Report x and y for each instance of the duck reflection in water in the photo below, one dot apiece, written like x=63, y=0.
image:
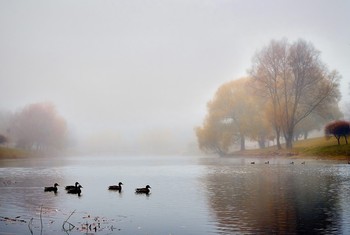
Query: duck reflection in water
x=116, y=187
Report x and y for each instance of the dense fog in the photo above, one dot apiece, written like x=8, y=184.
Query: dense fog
x=134, y=77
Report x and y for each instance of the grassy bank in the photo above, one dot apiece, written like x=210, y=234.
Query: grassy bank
x=323, y=148
x=319, y=148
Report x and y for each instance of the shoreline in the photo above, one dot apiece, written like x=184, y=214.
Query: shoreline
x=287, y=154
x=316, y=148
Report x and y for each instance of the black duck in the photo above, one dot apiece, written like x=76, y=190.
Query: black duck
x=116, y=187
x=143, y=190
x=75, y=190
x=69, y=187
x=51, y=189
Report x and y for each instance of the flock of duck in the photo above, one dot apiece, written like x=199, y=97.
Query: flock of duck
x=76, y=189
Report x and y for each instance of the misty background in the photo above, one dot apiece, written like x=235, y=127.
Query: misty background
x=135, y=76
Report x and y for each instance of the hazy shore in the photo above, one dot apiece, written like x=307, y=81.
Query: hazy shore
x=314, y=148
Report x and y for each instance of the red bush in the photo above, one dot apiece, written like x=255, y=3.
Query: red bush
x=338, y=129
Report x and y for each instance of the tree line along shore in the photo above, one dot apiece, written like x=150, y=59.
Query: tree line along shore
x=313, y=148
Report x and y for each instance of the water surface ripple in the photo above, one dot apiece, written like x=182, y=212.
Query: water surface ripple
x=189, y=195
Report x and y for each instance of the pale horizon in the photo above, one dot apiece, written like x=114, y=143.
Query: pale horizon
x=139, y=71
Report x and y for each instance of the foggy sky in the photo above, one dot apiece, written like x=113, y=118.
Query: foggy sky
x=133, y=67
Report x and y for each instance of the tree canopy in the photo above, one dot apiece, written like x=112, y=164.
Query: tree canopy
x=295, y=81
x=39, y=126
x=289, y=92
x=233, y=115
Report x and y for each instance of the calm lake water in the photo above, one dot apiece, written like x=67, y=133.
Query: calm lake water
x=189, y=195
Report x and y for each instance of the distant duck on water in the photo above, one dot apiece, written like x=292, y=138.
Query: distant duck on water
x=116, y=187
x=75, y=190
x=51, y=189
x=70, y=187
x=143, y=190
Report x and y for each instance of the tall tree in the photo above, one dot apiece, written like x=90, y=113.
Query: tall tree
x=269, y=65
x=296, y=82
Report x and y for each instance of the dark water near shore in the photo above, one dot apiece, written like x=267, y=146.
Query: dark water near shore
x=189, y=195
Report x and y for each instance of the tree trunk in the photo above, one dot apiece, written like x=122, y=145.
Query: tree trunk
x=296, y=137
x=289, y=143
x=289, y=139
x=278, y=143
x=242, y=142
x=261, y=144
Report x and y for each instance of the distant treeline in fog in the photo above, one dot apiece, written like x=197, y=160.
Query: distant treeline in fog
x=35, y=127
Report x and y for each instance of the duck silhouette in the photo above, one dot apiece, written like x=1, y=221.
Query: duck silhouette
x=116, y=187
x=51, y=189
x=143, y=190
x=69, y=187
x=75, y=190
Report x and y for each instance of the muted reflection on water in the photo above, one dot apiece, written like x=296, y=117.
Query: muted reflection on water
x=189, y=195
x=279, y=198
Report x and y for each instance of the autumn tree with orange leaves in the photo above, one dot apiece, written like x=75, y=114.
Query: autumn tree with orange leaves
x=234, y=115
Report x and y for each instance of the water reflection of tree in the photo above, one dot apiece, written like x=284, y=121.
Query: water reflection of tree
x=276, y=200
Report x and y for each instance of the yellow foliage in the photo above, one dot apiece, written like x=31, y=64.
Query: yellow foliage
x=233, y=114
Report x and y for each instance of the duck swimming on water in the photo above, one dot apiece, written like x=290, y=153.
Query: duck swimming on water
x=116, y=187
x=51, y=189
x=69, y=187
x=75, y=190
x=143, y=190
